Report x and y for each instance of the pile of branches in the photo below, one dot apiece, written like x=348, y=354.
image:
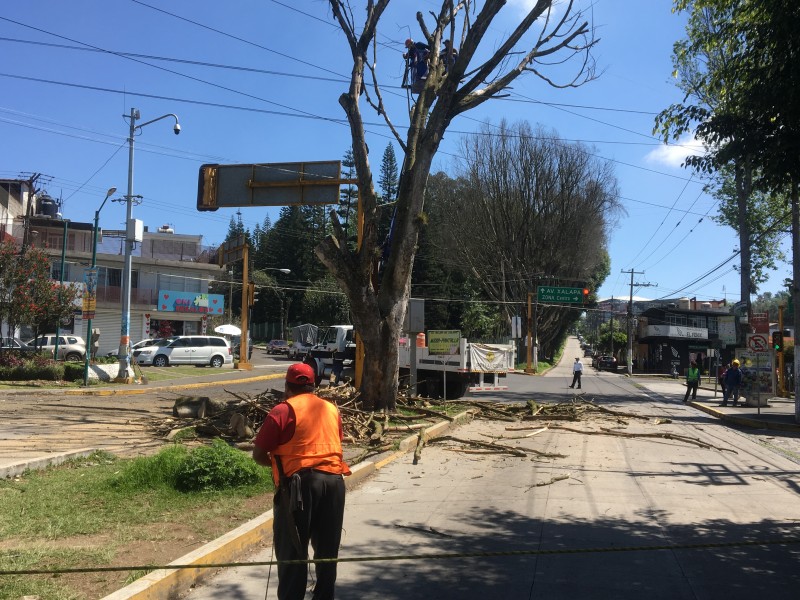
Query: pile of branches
x=574, y=410
x=366, y=432
x=237, y=419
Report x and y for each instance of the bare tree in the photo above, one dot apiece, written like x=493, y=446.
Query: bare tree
x=483, y=69
x=530, y=208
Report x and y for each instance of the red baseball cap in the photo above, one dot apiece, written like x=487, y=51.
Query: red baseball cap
x=300, y=374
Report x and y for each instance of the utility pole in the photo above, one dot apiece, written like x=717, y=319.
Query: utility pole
x=629, y=359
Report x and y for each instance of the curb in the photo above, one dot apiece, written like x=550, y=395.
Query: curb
x=185, y=386
x=170, y=583
x=41, y=463
x=745, y=421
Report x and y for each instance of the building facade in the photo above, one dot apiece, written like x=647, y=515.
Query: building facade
x=170, y=275
x=670, y=335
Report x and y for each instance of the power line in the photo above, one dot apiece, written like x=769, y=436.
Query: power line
x=172, y=71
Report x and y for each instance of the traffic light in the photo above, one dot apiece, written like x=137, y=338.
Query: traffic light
x=777, y=341
x=586, y=295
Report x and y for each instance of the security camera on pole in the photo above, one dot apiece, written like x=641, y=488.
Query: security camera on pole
x=133, y=234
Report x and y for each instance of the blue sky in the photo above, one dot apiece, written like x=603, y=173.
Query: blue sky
x=61, y=115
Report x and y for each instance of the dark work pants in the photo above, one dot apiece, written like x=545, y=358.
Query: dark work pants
x=691, y=388
x=320, y=522
x=576, y=378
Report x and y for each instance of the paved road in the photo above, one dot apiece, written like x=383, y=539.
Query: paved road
x=603, y=492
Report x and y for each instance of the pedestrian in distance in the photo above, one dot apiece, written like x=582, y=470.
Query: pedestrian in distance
x=301, y=439
x=577, y=371
x=722, y=377
x=733, y=380
x=692, y=381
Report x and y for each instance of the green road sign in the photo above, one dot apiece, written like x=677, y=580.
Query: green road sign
x=559, y=295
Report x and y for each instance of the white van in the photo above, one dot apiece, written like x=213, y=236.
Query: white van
x=187, y=350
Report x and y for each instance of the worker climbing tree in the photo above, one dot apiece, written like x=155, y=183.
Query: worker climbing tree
x=416, y=72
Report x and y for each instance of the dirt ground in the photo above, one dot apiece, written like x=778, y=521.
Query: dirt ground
x=33, y=425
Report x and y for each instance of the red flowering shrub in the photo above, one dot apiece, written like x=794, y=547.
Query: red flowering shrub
x=11, y=359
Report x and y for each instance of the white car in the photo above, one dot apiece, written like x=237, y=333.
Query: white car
x=70, y=347
x=144, y=344
x=197, y=350
x=298, y=350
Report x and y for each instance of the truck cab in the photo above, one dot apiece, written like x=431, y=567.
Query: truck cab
x=333, y=356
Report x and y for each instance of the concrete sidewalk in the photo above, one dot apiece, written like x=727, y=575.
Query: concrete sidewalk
x=779, y=415
x=605, y=517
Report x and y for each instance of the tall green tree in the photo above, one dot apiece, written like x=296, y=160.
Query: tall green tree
x=702, y=70
x=520, y=194
x=389, y=173
x=761, y=221
x=485, y=67
x=757, y=122
x=348, y=198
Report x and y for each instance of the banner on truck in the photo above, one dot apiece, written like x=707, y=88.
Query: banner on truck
x=488, y=358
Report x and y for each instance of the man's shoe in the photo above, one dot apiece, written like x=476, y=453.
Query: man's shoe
x=722, y=404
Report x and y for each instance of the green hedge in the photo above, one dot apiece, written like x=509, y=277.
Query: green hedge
x=73, y=371
x=28, y=371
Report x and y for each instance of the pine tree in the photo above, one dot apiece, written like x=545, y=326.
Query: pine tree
x=388, y=175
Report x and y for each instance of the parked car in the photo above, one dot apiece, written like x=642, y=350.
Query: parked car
x=145, y=343
x=278, y=347
x=606, y=363
x=298, y=350
x=70, y=347
x=197, y=350
x=17, y=345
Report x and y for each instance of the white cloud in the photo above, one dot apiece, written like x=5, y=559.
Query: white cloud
x=673, y=155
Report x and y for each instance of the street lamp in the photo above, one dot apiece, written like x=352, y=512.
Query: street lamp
x=61, y=283
x=92, y=281
x=125, y=325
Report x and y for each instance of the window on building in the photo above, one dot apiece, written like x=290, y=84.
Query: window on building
x=111, y=277
x=713, y=325
x=696, y=321
x=178, y=283
x=673, y=319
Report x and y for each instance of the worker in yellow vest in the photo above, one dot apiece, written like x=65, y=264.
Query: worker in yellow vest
x=692, y=381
